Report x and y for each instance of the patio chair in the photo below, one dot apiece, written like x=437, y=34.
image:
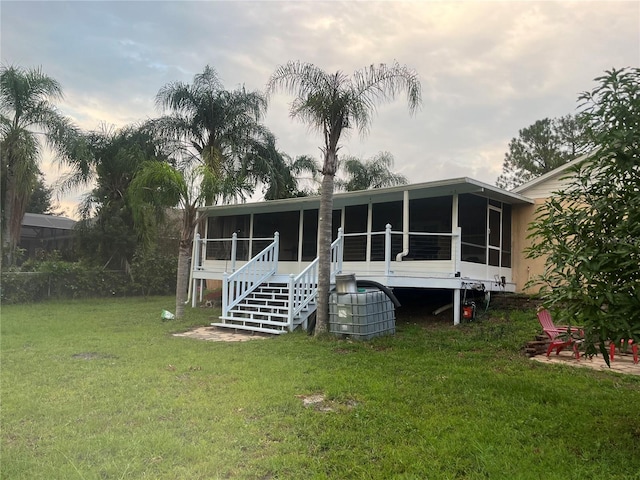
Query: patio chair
x=634, y=349
x=561, y=336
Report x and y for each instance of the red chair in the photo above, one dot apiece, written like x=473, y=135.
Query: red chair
x=558, y=334
x=634, y=349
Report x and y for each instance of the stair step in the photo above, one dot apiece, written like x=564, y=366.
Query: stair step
x=233, y=318
x=250, y=328
x=266, y=309
x=263, y=306
x=252, y=315
x=260, y=311
x=265, y=301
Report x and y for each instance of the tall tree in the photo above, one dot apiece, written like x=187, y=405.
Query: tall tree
x=589, y=232
x=220, y=128
x=373, y=173
x=28, y=119
x=40, y=201
x=158, y=185
x=542, y=147
x=107, y=231
x=216, y=136
x=278, y=172
x=332, y=103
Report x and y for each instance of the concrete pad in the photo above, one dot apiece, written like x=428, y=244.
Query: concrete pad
x=623, y=363
x=215, y=334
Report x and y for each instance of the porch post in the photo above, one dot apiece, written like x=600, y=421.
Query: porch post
x=387, y=249
x=276, y=252
x=456, y=306
x=367, y=252
x=225, y=293
x=251, y=218
x=457, y=245
x=456, y=237
x=195, y=264
x=234, y=251
x=340, y=251
x=291, y=302
x=196, y=252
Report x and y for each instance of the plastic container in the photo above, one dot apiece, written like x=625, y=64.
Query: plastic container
x=361, y=316
x=346, y=283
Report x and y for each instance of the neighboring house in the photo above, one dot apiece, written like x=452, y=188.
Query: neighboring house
x=46, y=233
x=454, y=234
x=539, y=190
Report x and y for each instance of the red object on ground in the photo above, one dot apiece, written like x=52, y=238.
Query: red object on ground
x=634, y=349
x=558, y=334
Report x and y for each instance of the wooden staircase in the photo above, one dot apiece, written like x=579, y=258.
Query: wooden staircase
x=266, y=309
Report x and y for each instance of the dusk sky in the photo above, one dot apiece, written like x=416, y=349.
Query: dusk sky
x=487, y=68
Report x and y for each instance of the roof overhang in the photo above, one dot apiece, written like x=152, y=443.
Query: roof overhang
x=438, y=188
x=38, y=220
x=556, y=172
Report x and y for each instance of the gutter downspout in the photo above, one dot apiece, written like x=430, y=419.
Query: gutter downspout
x=405, y=228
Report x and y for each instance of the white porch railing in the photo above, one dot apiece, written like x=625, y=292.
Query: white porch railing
x=239, y=284
x=424, y=244
x=304, y=286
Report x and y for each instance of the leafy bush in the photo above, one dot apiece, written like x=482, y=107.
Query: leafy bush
x=150, y=274
x=154, y=273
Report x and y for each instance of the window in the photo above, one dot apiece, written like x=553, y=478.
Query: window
x=430, y=215
x=286, y=224
x=224, y=228
x=495, y=224
x=310, y=235
x=355, y=221
x=472, y=219
x=506, y=235
x=381, y=215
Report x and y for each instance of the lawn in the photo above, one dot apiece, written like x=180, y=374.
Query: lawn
x=100, y=389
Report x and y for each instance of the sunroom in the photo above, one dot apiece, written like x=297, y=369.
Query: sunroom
x=452, y=234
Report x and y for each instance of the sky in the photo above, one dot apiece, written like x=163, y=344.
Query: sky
x=487, y=68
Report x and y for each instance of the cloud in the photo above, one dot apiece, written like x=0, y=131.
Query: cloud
x=488, y=68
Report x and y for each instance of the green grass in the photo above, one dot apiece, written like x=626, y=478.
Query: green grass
x=101, y=390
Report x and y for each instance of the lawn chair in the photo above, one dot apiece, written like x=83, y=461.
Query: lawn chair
x=634, y=349
x=561, y=336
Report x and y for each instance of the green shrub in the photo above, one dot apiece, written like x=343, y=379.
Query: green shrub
x=151, y=273
x=154, y=273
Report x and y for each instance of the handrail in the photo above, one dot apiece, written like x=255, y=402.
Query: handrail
x=304, y=287
x=237, y=285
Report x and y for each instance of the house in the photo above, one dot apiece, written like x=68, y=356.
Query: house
x=539, y=190
x=452, y=234
x=46, y=233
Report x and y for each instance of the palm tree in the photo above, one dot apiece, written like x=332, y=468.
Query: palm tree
x=368, y=174
x=279, y=173
x=28, y=118
x=333, y=103
x=107, y=232
x=216, y=136
x=159, y=185
x=221, y=127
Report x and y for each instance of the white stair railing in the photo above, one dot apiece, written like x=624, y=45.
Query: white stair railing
x=304, y=286
x=239, y=284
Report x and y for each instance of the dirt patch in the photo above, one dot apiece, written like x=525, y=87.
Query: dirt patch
x=319, y=402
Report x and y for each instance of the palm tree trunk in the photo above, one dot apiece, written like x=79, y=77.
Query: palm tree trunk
x=182, y=280
x=324, y=253
x=14, y=207
x=8, y=246
x=184, y=254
